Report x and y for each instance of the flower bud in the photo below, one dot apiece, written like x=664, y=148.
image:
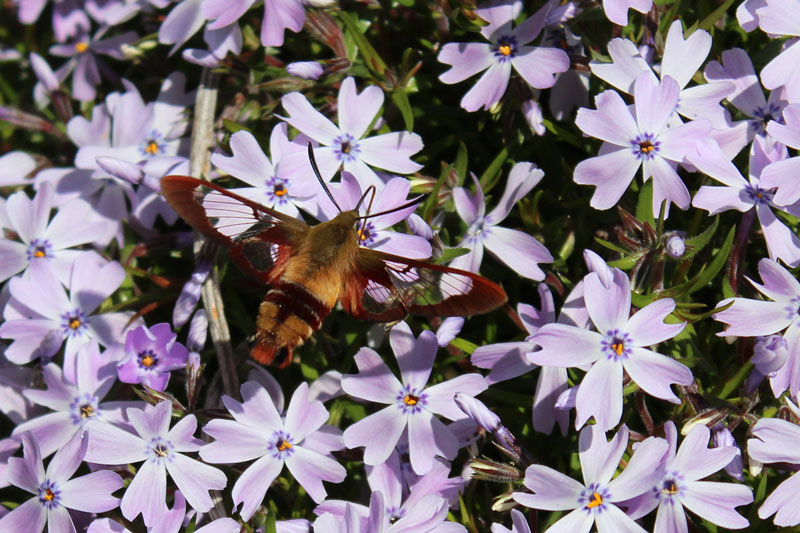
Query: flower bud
x=676, y=246
x=488, y=470
x=769, y=354
x=308, y=70
x=477, y=411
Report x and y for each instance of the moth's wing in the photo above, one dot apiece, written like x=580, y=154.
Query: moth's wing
x=259, y=238
x=386, y=287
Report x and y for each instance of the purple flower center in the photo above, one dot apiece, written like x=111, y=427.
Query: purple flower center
x=49, y=495
x=670, y=488
x=793, y=309
x=83, y=408
x=616, y=344
x=394, y=513
x=81, y=46
x=160, y=451
x=593, y=498
x=762, y=115
x=74, y=323
x=505, y=49
x=277, y=190
x=148, y=360
x=758, y=195
x=645, y=146
x=153, y=145
x=281, y=445
x=409, y=400
x=39, y=249
x=366, y=234
x=346, y=148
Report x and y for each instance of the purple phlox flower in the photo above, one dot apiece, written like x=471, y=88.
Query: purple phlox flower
x=258, y=432
x=783, y=174
x=56, y=317
x=507, y=48
x=326, y=387
x=775, y=441
x=48, y=82
x=269, y=186
x=220, y=42
x=754, y=318
x=722, y=437
x=676, y=244
x=400, y=493
x=619, y=343
x=78, y=405
x=53, y=489
x=374, y=232
x=681, y=60
x=449, y=330
x=146, y=142
x=746, y=14
x=13, y=380
x=198, y=332
x=518, y=521
x=617, y=10
x=8, y=447
x=412, y=405
x=781, y=17
x=171, y=522
x=746, y=195
x=162, y=450
x=593, y=501
x=152, y=353
x=681, y=487
x=185, y=19
x=279, y=15
x=516, y=249
x=638, y=136
x=736, y=67
x=770, y=353
x=342, y=145
x=308, y=70
x=15, y=167
x=46, y=244
x=85, y=63
x=69, y=19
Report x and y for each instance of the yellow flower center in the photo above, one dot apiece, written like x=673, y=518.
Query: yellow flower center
x=81, y=47
x=87, y=411
x=646, y=147
x=618, y=347
x=596, y=500
x=148, y=360
x=74, y=323
x=504, y=49
x=161, y=450
x=48, y=495
x=284, y=445
x=152, y=148
x=670, y=488
x=410, y=399
x=38, y=253
x=362, y=235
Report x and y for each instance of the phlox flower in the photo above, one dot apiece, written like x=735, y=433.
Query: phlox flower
x=15, y=167
x=162, y=450
x=50, y=317
x=519, y=524
x=506, y=49
x=374, y=232
x=45, y=243
x=76, y=404
x=617, y=10
x=85, y=63
x=171, y=522
x=681, y=60
x=747, y=14
x=412, y=405
x=68, y=17
x=259, y=432
x=781, y=17
x=747, y=195
x=268, y=185
x=152, y=353
x=776, y=441
x=54, y=492
x=186, y=19
x=619, y=343
x=680, y=487
x=279, y=15
x=342, y=145
x=783, y=174
x=638, y=137
x=516, y=249
x=753, y=318
x=593, y=502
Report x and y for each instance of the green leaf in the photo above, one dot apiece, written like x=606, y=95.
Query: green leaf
x=644, y=207
x=698, y=242
x=461, y=162
x=716, y=264
x=708, y=22
x=233, y=127
x=271, y=526
x=400, y=99
x=448, y=254
x=628, y=262
x=491, y=172
x=464, y=345
x=610, y=246
x=371, y=58
x=430, y=203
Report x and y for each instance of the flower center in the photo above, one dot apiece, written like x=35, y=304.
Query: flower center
x=160, y=450
x=596, y=500
x=82, y=408
x=73, y=323
x=758, y=195
x=346, y=148
x=410, y=400
x=147, y=359
x=49, y=495
x=39, y=249
x=282, y=446
x=87, y=411
x=593, y=498
x=280, y=189
x=506, y=48
x=763, y=115
x=645, y=146
x=152, y=145
x=669, y=488
x=616, y=344
x=365, y=234
x=81, y=47
x=151, y=148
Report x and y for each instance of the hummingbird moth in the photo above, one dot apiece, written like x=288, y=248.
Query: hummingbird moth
x=309, y=268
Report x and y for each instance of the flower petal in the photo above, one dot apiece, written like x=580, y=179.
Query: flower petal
x=600, y=395
x=195, y=479
x=654, y=373
x=519, y=251
x=146, y=494
x=308, y=120
x=553, y=491
x=374, y=381
x=608, y=306
x=429, y=437
x=356, y=111
x=647, y=326
x=600, y=458
x=92, y=493
x=715, y=502
x=252, y=485
x=378, y=433
x=611, y=173
x=565, y=346
x=467, y=59
x=488, y=90
x=310, y=469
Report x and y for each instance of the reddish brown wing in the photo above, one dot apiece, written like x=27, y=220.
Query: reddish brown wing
x=259, y=238
x=387, y=287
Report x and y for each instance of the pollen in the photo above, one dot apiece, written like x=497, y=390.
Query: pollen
x=505, y=49
x=362, y=235
x=75, y=323
x=346, y=147
x=161, y=450
x=148, y=360
x=410, y=399
x=618, y=347
x=280, y=190
x=670, y=488
x=284, y=445
x=87, y=411
x=38, y=253
x=152, y=148
x=48, y=495
x=81, y=47
x=646, y=147
x=596, y=501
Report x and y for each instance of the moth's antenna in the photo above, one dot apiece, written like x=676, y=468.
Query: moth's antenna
x=315, y=168
x=406, y=205
x=370, y=190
